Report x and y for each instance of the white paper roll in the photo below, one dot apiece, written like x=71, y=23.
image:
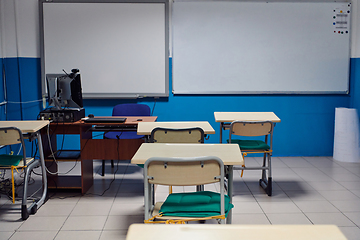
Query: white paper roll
x=346, y=136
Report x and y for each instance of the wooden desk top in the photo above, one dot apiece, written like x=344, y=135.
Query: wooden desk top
x=26, y=126
x=230, y=154
x=145, y=128
x=233, y=231
x=245, y=116
x=130, y=120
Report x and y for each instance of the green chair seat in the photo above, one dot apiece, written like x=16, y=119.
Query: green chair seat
x=10, y=160
x=194, y=204
x=250, y=144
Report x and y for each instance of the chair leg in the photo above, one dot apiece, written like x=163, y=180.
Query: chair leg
x=13, y=184
x=200, y=188
x=269, y=188
x=266, y=180
x=153, y=188
x=103, y=168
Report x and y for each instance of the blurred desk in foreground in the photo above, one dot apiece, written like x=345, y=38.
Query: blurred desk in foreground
x=233, y=232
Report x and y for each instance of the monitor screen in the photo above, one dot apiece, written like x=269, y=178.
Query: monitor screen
x=64, y=90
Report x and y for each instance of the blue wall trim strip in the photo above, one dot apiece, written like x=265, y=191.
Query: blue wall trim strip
x=307, y=121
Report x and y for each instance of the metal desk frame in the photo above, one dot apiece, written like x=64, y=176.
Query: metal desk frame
x=31, y=131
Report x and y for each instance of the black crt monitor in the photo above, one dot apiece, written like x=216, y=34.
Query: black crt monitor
x=64, y=90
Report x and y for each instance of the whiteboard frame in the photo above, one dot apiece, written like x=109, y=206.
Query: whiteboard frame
x=101, y=95
x=182, y=91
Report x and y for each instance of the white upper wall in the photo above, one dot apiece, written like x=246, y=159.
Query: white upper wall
x=19, y=30
x=355, y=29
x=7, y=28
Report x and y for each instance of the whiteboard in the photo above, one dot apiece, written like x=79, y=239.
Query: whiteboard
x=234, y=47
x=120, y=48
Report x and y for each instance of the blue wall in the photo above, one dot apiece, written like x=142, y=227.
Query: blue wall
x=22, y=90
x=307, y=121
x=355, y=83
x=2, y=96
x=23, y=72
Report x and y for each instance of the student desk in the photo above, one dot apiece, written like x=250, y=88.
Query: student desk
x=230, y=154
x=226, y=118
x=233, y=232
x=91, y=148
x=31, y=130
x=145, y=128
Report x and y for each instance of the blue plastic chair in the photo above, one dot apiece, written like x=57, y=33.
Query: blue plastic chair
x=127, y=109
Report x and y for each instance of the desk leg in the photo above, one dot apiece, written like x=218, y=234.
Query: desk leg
x=221, y=127
x=87, y=178
x=25, y=211
x=87, y=169
x=230, y=191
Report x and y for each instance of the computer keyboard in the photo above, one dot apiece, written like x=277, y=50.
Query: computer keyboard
x=105, y=120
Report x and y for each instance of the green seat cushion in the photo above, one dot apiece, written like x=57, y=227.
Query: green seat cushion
x=194, y=204
x=250, y=144
x=10, y=160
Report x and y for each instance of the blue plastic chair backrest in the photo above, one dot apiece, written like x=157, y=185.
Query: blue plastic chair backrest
x=131, y=109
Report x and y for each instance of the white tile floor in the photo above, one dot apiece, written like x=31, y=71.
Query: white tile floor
x=307, y=190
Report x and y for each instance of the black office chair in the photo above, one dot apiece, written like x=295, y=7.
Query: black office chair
x=128, y=109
